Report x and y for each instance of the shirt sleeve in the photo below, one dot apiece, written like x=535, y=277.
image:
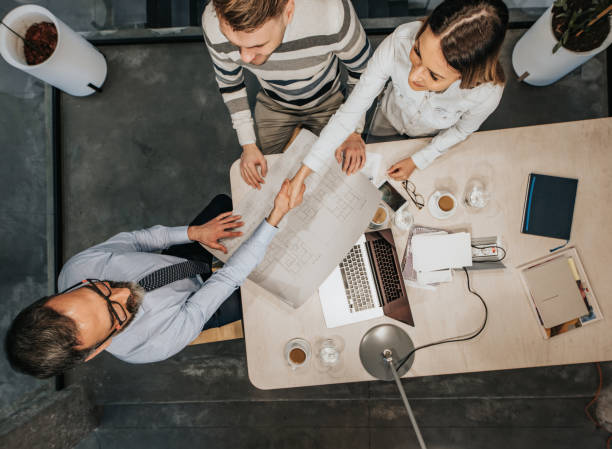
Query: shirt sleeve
x=146, y=240
x=468, y=123
x=348, y=116
x=354, y=50
x=222, y=283
x=230, y=79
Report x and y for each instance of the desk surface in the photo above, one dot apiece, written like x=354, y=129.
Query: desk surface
x=511, y=339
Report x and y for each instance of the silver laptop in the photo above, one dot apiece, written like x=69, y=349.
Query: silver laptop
x=367, y=284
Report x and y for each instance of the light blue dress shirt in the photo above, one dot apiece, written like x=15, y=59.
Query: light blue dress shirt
x=172, y=316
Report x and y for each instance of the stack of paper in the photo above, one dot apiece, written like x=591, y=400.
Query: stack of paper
x=436, y=254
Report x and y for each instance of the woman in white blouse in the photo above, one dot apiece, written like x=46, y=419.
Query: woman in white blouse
x=445, y=79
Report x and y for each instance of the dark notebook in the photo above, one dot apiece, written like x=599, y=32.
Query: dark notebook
x=549, y=206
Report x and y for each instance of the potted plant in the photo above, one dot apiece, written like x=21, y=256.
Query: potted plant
x=35, y=41
x=567, y=35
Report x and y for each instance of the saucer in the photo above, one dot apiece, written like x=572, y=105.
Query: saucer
x=435, y=211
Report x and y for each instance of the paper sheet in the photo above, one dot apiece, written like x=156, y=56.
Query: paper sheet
x=440, y=251
x=313, y=238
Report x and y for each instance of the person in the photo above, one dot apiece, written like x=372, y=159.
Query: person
x=293, y=47
x=148, y=306
x=445, y=78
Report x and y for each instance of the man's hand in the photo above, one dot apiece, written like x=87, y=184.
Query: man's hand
x=250, y=160
x=218, y=228
x=353, y=150
x=402, y=170
x=282, y=203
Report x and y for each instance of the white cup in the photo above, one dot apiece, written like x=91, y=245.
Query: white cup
x=381, y=216
x=297, y=353
x=444, y=211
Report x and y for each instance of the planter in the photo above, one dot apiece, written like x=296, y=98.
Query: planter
x=533, y=54
x=73, y=65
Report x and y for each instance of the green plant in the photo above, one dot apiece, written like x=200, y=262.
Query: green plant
x=578, y=20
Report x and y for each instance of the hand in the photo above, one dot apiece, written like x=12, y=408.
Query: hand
x=297, y=186
x=402, y=169
x=250, y=159
x=282, y=203
x=218, y=228
x=354, y=153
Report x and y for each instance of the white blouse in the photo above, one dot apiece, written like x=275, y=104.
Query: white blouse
x=454, y=113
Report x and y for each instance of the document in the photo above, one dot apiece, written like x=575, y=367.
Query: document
x=314, y=237
x=440, y=251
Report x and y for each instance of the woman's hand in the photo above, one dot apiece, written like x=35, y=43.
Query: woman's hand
x=402, y=169
x=353, y=150
x=282, y=203
x=218, y=228
x=297, y=186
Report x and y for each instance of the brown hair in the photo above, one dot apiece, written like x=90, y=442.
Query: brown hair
x=472, y=32
x=248, y=15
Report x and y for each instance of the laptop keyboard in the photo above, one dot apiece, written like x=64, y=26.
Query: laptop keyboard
x=383, y=253
x=355, y=280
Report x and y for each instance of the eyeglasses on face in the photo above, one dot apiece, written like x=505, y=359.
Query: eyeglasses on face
x=118, y=315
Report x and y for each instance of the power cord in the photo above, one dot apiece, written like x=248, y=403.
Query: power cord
x=465, y=337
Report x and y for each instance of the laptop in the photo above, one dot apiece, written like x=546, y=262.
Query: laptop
x=367, y=284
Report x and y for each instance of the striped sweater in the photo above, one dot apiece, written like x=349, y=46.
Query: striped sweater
x=303, y=71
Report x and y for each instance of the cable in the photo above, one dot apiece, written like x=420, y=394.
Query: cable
x=466, y=337
x=586, y=409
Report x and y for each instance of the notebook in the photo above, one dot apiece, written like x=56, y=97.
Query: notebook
x=549, y=206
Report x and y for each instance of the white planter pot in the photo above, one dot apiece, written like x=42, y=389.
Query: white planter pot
x=73, y=65
x=533, y=54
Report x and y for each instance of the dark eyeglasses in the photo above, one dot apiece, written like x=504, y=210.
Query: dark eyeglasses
x=117, y=313
x=416, y=198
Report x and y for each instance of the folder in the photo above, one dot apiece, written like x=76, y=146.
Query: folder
x=555, y=293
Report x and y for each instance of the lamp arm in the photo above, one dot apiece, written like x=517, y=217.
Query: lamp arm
x=389, y=359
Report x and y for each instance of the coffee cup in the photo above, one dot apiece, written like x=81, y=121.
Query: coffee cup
x=297, y=353
x=442, y=204
x=381, y=217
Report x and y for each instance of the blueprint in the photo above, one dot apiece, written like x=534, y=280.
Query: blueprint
x=314, y=237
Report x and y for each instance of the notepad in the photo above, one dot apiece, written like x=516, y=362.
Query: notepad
x=554, y=291
x=549, y=206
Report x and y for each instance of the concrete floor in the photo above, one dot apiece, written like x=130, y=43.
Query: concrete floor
x=155, y=147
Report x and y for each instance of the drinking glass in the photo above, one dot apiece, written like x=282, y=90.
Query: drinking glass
x=477, y=195
x=403, y=217
x=329, y=353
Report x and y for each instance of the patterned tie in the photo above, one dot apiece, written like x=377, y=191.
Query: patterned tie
x=172, y=273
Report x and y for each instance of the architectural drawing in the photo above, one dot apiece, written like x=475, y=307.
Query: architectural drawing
x=314, y=237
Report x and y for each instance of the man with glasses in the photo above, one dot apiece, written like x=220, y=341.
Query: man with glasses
x=148, y=305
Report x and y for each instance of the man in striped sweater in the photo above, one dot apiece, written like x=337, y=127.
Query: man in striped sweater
x=294, y=48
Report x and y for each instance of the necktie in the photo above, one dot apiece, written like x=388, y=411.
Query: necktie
x=172, y=273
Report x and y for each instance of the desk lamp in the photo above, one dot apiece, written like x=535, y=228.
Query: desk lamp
x=377, y=351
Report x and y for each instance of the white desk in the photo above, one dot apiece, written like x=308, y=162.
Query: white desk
x=511, y=339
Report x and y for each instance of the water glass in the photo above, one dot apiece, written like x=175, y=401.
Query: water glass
x=476, y=194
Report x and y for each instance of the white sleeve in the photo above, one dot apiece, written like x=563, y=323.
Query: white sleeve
x=346, y=120
x=468, y=123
